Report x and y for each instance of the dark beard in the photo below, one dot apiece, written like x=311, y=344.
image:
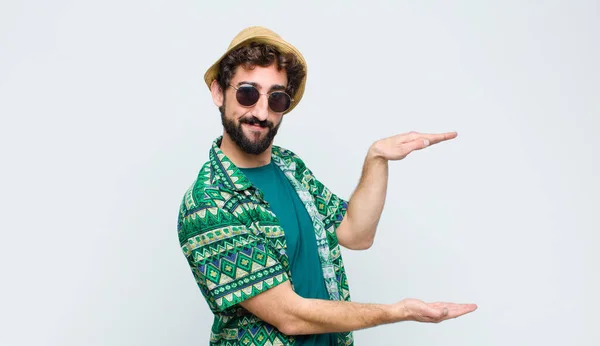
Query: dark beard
x=236, y=133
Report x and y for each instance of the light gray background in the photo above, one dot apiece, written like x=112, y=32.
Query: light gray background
x=106, y=121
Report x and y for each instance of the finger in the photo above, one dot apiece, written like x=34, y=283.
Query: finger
x=439, y=137
x=453, y=310
x=417, y=144
x=457, y=310
x=432, y=137
x=411, y=136
x=435, y=313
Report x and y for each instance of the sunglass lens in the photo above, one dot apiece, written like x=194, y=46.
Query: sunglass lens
x=279, y=102
x=247, y=95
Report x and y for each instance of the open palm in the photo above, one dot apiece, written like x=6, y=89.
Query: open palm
x=399, y=146
x=420, y=311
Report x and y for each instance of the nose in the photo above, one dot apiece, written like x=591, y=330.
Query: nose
x=261, y=108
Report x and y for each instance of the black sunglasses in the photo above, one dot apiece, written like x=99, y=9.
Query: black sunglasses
x=247, y=95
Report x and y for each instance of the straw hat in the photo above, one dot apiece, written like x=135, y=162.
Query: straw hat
x=261, y=35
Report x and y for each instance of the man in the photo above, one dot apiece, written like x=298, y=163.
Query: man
x=261, y=234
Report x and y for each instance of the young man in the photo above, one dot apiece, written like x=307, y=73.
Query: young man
x=261, y=234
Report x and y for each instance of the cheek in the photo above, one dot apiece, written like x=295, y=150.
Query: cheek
x=232, y=107
x=276, y=119
x=229, y=101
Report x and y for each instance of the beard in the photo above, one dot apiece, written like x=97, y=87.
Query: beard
x=248, y=145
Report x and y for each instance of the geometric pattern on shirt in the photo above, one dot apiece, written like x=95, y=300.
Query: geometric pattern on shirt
x=236, y=248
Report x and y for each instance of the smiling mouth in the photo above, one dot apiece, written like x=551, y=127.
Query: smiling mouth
x=255, y=126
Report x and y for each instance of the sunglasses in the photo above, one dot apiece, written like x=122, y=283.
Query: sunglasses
x=247, y=95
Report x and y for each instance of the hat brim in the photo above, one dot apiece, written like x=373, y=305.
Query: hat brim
x=281, y=45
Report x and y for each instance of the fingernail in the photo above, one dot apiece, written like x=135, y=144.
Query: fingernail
x=426, y=142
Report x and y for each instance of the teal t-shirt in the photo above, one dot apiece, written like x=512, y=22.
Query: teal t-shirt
x=305, y=265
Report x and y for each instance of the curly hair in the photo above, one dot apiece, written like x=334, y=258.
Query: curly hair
x=260, y=54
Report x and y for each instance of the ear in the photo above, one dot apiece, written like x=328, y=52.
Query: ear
x=217, y=93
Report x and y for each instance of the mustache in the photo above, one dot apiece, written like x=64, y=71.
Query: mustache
x=255, y=121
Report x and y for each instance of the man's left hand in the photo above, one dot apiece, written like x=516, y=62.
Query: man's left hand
x=399, y=146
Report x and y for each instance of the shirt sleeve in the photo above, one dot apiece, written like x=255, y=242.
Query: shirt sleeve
x=229, y=261
x=330, y=206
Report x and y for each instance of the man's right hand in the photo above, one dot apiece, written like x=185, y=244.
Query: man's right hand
x=417, y=310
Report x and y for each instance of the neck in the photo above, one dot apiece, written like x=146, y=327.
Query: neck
x=242, y=159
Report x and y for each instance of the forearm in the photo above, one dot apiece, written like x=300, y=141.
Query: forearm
x=284, y=309
x=367, y=201
x=315, y=316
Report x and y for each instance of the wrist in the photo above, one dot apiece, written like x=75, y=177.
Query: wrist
x=401, y=312
x=395, y=313
x=375, y=152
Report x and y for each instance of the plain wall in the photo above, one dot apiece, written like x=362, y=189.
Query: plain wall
x=105, y=122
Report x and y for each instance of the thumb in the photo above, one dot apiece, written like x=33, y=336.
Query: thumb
x=416, y=144
x=444, y=312
x=438, y=313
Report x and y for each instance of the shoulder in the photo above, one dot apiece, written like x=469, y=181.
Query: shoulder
x=292, y=159
x=195, y=196
x=200, y=209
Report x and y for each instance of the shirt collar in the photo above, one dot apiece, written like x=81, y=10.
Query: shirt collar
x=226, y=173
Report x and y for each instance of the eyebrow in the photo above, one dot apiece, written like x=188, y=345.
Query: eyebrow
x=256, y=85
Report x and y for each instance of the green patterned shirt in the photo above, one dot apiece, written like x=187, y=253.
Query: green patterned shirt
x=236, y=247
